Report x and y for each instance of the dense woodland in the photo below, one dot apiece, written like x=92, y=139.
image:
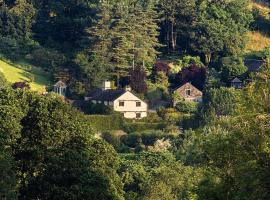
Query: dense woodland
x=214, y=150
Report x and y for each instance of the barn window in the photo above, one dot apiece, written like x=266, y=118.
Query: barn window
x=121, y=103
x=188, y=92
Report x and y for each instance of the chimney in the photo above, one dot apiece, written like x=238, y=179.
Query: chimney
x=128, y=88
x=106, y=85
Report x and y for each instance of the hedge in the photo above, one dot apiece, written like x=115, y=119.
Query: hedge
x=102, y=123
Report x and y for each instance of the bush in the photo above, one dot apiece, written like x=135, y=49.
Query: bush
x=169, y=115
x=147, y=138
x=186, y=106
x=151, y=118
x=190, y=121
x=112, y=139
x=132, y=140
x=142, y=126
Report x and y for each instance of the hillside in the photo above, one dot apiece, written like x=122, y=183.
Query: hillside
x=257, y=41
x=260, y=37
x=16, y=73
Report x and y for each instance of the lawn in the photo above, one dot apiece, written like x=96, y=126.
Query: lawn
x=16, y=73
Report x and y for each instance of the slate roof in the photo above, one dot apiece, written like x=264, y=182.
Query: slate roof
x=60, y=84
x=105, y=95
x=236, y=80
x=77, y=103
x=93, y=93
x=253, y=65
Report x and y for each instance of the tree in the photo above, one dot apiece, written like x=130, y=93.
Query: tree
x=194, y=74
x=220, y=28
x=62, y=24
x=125, y=36
x=220, y=102
x=88, y=176
x=16, y=21
x=231, y=68
x=138, y=80
x=53, y=134
x=162, y=82
x=8, y=189
x=161, y=66
x=176, y=20
x=152, y=175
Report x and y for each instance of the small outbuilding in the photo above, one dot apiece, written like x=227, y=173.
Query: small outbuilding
x=60, y=88
x=236, y=83
x=188, y=92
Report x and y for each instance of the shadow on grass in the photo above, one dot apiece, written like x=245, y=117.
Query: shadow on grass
x=261, y=22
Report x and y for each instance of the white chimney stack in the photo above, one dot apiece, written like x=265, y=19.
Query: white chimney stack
x=128, y=88
x=106, y=85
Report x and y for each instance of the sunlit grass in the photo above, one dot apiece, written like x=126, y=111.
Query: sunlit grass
x=257, y=41
x=13, y=74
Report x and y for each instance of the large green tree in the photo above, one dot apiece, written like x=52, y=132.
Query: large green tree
x=220, y=27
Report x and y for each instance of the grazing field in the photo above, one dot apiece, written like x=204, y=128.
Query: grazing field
x=14, y=73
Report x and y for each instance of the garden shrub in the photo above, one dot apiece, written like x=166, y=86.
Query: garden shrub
x=141, y=126
x=132, y=140
x=112, y=139
x=186, y=106
x=190, y=121
x=146, y=138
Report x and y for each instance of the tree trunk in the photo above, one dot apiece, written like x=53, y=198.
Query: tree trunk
x=167, y=36
x=172, y=37
x=208, y=57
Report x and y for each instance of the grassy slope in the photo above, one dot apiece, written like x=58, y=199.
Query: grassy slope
x=16, y=74
x=258, y=40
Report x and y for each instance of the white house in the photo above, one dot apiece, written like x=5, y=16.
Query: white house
x=122, y=100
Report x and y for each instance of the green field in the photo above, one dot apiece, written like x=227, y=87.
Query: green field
x=17, y=73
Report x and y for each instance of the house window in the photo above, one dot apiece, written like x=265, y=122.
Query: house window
x=138, y=104
x=121, y=103
x=188, y=92
x=138, y=115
